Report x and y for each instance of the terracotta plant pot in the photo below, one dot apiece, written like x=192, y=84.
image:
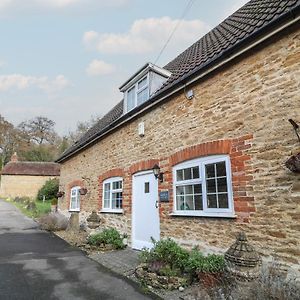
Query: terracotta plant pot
x=293, y=163
x=209, y=279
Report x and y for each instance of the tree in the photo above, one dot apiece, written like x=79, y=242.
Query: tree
x=10, y=140
x=39, y=130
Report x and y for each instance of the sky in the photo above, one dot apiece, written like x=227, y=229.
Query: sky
x=66, y=59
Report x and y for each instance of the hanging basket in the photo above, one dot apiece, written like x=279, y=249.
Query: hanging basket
x=83, y=191
x=293, y=163
x=60, y=194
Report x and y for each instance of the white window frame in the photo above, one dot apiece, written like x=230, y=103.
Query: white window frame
x=77, y=200
x=206, y=212
x=110, y=209
x=137, y=91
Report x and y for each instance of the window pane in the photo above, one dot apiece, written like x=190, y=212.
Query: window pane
x=221, y=169
x=223, y=200
x=142, y=83
x=106, y=195
x=189, y=203
x=179, y=174
x=147, y=188
x=179, y=202
x=131, y=99
x=211, y=186
x=189, y=190
x=106, y=186
x=116, y=201
x=197, y=189
x=196, y=172
x=222, y=185
x=116, y=185
x=187, y=174
x=198, y=202
x=142, y=96
x=179, y=190
x=212, y=201
x=210, y=171
x=106, y=203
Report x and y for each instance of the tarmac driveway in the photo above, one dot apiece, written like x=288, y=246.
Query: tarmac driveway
x=38, y=265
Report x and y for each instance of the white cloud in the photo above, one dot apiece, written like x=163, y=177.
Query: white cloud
x=99, y=67
x=22, y=82
x=146, y=35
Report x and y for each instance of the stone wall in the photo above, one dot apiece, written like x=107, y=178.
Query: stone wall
x=245, y=105
x=21, y=186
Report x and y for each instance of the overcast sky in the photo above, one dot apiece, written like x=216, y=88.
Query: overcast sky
x=65, y=59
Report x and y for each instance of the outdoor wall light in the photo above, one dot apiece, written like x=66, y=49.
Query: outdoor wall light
x=156, y=171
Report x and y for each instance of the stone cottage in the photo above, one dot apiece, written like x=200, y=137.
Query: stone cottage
x=196, y=149
x=24, y=179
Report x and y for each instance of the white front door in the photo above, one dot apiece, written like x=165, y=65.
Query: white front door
x=145, y=211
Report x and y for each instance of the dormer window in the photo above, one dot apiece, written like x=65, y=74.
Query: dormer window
x=139, y=88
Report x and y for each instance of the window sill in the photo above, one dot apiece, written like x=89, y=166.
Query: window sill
x=111, y=211
x=206, y=215
x=74, y=210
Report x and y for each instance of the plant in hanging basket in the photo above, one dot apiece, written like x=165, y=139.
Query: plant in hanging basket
x=293, y=163
x=60, y=194
x=82, y=191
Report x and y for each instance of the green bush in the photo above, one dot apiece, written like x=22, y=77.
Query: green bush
x=168, y=252
x=109, y=236
x=49, y=190
x=54, y=201
x=194, y=262
x=212, y=263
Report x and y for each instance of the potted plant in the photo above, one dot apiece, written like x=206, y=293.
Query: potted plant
x=54, y=205
x=210, y=270
x=60, y=194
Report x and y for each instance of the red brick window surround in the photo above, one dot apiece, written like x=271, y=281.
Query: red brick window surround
x=114, y=181
x=241, y=170
x=71, y=185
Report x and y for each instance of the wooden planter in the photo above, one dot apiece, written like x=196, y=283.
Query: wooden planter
x=293, y=163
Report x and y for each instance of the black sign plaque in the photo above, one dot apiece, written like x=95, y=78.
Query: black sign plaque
x=164, y=196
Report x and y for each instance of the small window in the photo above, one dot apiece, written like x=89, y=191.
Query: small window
x=203, y=187
x=137, y=94
x=147, y=187
x=131, y=99
x=112, y=194
x=75, y=199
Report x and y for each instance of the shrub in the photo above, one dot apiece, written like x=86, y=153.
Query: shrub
x=54, y=201
x=194, y=261
x=212, y=263
x=49, y=189
x=108, y=236
x=53, y=222
x=165, y=253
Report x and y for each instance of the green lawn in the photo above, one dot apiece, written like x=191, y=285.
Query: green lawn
x=42, y=208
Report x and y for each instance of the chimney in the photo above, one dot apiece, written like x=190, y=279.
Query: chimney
x=14, y=158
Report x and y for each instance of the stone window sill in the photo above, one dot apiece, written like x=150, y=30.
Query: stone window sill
x=112, y=211
x=221, y=215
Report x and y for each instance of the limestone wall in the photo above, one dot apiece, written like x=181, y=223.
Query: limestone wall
x=246, y=105
x=19, y=185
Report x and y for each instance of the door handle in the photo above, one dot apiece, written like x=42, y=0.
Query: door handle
x=156, y=204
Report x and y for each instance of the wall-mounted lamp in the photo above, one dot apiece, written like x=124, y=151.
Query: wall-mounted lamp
x=296, y=128
x=156, y=171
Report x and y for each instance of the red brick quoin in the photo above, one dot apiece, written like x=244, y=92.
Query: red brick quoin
x=72, y=184
x=241, y=170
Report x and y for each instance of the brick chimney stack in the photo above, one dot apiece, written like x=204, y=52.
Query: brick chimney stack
x=14, y=158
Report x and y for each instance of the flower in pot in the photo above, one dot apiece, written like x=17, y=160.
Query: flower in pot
x=211, y=269
x=60, y=194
